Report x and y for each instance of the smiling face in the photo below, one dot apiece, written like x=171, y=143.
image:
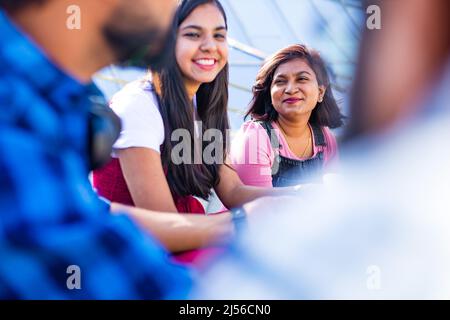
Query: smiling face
x=295, y=90
x=201, y=46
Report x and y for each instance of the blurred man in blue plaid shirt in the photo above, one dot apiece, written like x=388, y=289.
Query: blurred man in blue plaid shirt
x=52, y=225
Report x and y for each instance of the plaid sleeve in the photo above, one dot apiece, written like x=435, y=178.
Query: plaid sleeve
x=57, y=240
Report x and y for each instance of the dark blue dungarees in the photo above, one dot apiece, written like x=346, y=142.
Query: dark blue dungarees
x=289, y=172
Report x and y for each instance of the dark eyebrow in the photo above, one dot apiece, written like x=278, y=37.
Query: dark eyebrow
x=192, y=27
x=220, y=28
x=279, y=76
x=301, y=72
x=282, y=75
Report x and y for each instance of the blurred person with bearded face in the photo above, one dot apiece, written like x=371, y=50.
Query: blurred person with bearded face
x=52, y=222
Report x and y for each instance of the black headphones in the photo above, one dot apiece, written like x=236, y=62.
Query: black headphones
x=103, y=130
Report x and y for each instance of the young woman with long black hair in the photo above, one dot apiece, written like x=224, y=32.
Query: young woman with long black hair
x=190, y=94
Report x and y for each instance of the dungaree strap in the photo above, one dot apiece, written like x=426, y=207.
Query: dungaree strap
x=287, y=171
x=319, y=137
x=273, y=139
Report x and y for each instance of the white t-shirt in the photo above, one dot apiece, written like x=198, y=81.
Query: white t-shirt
x=142, y=125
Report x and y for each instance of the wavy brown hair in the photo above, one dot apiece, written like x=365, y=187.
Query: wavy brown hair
x=326, y=113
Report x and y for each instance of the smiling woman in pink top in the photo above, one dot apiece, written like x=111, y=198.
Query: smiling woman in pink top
x=288, y=140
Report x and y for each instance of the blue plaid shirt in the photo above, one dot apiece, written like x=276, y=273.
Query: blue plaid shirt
x=50, y=218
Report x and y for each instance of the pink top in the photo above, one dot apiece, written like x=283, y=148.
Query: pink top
x=252, y=155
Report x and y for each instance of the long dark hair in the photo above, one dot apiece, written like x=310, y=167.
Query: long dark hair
x=326, y=113
x=177, y=112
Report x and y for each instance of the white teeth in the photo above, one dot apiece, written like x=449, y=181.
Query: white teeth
x=205, y=62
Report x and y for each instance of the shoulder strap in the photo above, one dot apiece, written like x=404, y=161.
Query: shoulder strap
x=273, y=138
x=319, y=136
